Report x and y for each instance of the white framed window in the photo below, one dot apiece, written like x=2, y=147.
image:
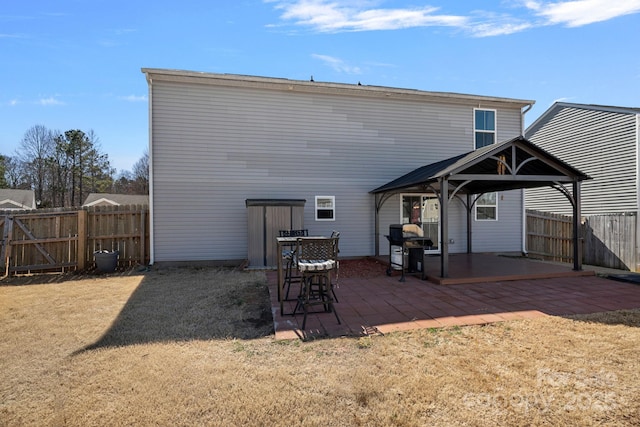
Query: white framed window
x=325, y=208
x=484, y=127
x=487, y=207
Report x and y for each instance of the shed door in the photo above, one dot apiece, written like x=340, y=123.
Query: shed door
x=264, y=225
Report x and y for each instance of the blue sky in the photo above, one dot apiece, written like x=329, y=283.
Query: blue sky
x=75, y=64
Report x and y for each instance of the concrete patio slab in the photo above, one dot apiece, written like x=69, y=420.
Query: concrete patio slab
x=383, y=304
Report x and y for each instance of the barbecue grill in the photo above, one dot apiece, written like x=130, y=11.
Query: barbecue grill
x=407, y=239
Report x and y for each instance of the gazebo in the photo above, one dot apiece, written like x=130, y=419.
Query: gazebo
x=509, y=165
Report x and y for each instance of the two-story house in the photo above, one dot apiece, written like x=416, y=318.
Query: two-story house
x=221, y=142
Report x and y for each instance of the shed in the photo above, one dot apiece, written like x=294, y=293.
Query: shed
x=266, y=217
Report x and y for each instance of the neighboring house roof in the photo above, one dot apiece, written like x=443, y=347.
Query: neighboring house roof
x=525, y=166
x=236, y=80
x=601, y=140
x=106, y=199
x=17, y=199
x=594, y=107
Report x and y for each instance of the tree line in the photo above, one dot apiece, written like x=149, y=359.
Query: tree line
x=62, y=168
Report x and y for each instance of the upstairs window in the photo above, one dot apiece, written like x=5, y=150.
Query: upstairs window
x=484, y=125
x=325, y=208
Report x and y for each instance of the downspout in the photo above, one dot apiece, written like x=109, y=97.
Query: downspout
x=523, y=201
x=151, y=206
x=637, y=247
x=377, y=226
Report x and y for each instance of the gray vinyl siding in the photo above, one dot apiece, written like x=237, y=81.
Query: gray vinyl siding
x=504, y=235
x=213, y=147
x=602, y=144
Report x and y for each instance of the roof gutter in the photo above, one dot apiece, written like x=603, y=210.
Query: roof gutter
x=527, y=108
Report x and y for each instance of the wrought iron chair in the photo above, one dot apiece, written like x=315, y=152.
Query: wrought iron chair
x=316, y=259
x=288, y=255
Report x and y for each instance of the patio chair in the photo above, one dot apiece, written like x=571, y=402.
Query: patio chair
x=288, y=256
x=316, y=259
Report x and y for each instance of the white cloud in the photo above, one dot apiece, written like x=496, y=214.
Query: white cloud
x=327, y=16
x=498, y=28
x=563, y=99
x=337, y=64
x=49, y=101
x=134, y=98
x=124, y=31
x=577, y=13
x=13, y=102
x=334, y=16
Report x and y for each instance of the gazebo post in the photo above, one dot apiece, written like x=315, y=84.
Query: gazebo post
x=469, y=225
x=377, y=226
x=577, y=241
x=444, y=227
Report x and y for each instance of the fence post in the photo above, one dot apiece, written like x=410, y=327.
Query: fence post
x=143, y=234
x=82, y=239
x=8, y=230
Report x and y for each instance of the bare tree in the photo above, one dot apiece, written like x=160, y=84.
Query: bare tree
x=3, y=172
x=62, y=168
x=141, y=173
x=36, y=146
x=14, y=173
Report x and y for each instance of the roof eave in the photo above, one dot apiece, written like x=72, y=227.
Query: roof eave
x=237, y=80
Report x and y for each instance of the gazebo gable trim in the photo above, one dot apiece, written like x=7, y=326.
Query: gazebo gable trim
x=493, y=152
x=461, y=168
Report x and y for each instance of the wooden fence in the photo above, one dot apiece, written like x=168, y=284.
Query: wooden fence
x=607, y=240
x=550, y=236
x=610, y=241
x=61, y=240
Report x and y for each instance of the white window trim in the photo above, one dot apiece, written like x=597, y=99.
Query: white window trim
x=494, y=132
x=333, y=207
x=476, y=205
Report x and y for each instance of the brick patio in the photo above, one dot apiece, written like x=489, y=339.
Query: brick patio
x=383, y=304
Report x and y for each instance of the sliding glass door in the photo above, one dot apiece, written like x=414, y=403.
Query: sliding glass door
x=424, y=210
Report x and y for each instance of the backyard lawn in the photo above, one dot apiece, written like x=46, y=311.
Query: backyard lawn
x=194, y=346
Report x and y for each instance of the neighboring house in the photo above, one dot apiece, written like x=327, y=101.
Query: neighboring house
x=219, y=142
x=11, y=199
x=602, y=142
x=106, y=199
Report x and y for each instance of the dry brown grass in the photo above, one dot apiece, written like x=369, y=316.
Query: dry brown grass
x=194, y=347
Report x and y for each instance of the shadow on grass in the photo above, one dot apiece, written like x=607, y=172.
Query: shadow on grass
x=183, y=304
x=68, y=276
x=619, y=317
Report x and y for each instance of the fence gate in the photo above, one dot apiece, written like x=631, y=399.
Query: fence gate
x=39, y=242
x=58, y=239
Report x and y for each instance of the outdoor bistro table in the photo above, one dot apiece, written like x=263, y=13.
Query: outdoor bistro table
x=281, y=243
